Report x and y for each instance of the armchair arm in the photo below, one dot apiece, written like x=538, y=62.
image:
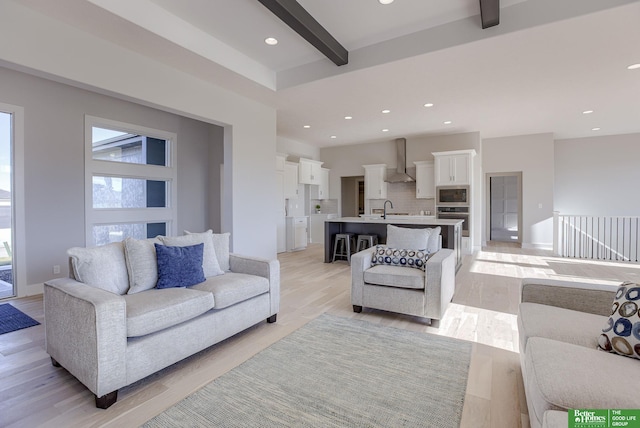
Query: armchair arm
x=440, y=282
x=578, y=296
x=269, y=269
x=86, y=332
x=360, y=262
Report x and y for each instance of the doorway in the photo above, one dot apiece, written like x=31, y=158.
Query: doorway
x=352, y=196
x=505, y=207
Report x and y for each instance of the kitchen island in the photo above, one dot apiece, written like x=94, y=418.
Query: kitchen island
x=451, y=230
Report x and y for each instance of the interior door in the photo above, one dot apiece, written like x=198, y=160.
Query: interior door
x=504, y=208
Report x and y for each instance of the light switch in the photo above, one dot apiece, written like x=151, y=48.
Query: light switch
x=539, y=205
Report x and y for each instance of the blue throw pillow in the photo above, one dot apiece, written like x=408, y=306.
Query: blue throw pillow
x=179, y=266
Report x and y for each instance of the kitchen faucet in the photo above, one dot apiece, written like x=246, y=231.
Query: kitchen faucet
x=384, y=215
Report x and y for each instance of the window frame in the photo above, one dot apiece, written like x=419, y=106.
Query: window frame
x=93, y=167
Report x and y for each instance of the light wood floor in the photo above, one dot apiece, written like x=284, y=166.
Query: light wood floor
x=33, y=393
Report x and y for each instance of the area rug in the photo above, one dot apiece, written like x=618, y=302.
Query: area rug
x=336, y=372
x=12, y=319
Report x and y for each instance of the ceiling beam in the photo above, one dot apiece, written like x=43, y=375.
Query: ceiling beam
x=489, y=13
x=296, y=17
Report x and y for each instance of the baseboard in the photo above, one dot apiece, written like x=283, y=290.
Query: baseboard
x=31, y=290
x=539, y=246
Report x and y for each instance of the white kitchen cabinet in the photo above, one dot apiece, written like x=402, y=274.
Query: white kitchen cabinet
x=309, y=171
x=280, y=161
x=297, y=233
x=322, y=190
x=290, y=180
x=375, y=186
x=425, y=180
x=453, y=168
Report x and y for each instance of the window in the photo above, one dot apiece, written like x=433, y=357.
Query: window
x=130, y=181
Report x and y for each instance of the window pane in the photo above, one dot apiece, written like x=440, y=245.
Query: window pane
x=117, y=192
x=108, y=233
x=115, y=146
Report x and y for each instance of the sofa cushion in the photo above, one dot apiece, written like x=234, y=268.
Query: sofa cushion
x=210, y=264
x=142, y=264
x=565, y=325
x=562, y=376
x=394, y=276
x=384, y=255
x=555, y=419
x=179, y=266
x=404, y=237
x=101, y=267
x=154, y=310
x=621, y=333
x=233, y=288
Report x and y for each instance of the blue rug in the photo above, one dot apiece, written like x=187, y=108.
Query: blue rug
x=12, y=319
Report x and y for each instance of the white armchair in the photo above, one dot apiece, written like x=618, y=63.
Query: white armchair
x=405, y=290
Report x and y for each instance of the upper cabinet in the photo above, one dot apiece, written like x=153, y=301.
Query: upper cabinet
x=322, y=190
x=375, y=186
x=425, y=180
x=280, y=160
x=310, y=171
x=290, y=180
x=453, y=168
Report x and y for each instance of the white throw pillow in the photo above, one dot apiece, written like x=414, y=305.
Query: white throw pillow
x=142, y=263
x=210, y=264
x=221, y=247
x=101, y=267
x=404, y=237
x=433, y=244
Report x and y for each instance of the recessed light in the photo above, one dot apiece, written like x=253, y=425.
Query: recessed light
x=587, y=112
x=385, y=1
x=348, y=117
x=385, y=111
x=272, y=41
x=307, y=126
x=333, y=137
x=428, y=105
x=595, y=129
x=385, y=130
x=634, y=66
x=447, y=122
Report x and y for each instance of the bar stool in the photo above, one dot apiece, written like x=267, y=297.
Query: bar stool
x=366, y=241
x=344, y=241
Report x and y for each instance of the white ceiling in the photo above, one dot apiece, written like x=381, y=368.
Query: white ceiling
x=536, y=72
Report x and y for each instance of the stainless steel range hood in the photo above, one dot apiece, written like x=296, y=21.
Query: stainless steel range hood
x=401, y=176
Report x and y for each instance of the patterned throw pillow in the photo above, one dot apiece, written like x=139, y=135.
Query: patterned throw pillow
x=384, y=255
x=622, y=332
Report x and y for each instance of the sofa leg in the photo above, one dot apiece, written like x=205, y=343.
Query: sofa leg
x=107, y=400
x=272, y=318
x=54, y=363
x=357, y=308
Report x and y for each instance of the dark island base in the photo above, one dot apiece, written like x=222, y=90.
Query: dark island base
x=451, y=235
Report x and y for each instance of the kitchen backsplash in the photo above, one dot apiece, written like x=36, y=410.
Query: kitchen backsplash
x=403, y=197
x=327, y=206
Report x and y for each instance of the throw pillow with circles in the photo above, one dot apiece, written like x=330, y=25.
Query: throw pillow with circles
x=621, y=335
x=384, y=255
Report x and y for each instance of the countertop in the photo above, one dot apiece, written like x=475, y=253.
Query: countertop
x=414, y=219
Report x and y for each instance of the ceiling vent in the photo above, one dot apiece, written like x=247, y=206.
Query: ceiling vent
x=401, y=176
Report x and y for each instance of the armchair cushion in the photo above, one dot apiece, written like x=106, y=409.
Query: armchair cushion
x=394, y=276
x=384, y=255
x=404, y=237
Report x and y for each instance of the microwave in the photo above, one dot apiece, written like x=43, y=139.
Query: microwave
x=453, y=195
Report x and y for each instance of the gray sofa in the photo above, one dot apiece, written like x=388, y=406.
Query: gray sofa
x=111, y=337
x=559, y=323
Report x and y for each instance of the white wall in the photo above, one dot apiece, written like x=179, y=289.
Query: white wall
x=297, y=149
x=533, y=155
x=58, y=51
x=598, y=175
